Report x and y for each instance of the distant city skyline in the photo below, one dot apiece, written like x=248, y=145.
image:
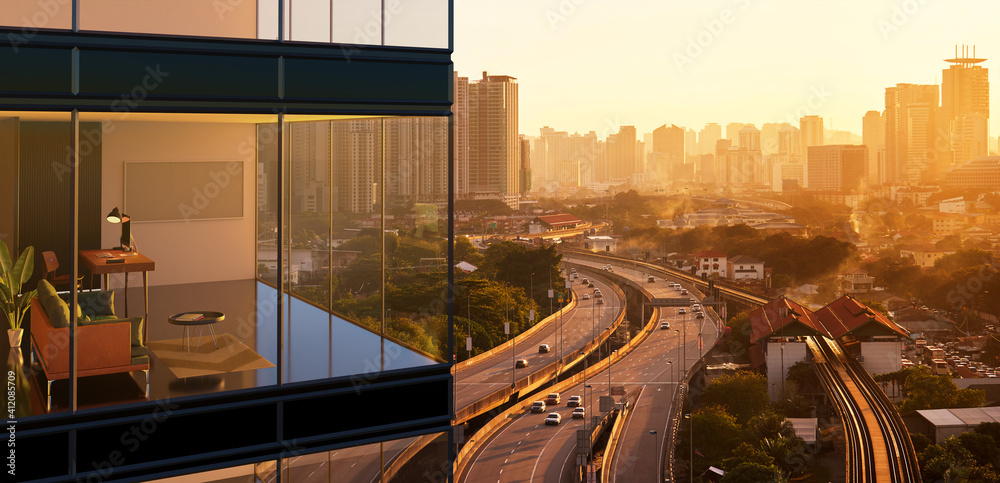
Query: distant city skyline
x=595, y=65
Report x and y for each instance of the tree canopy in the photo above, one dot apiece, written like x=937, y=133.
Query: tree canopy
x=743, y=394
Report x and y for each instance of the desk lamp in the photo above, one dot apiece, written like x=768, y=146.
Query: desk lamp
x=126, y=240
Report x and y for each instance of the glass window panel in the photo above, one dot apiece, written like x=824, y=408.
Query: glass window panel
x=310, y=20
x=34, y=14
x=416, y=193
x=309, y=209
x=205, y=18
x=357, y=22
x=36, y=176
x=267, y=19
x=417, y=458
x=194, y=263
x=234, y=474
x=416, y=23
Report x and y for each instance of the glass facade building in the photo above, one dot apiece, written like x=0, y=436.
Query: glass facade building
x=283, y=172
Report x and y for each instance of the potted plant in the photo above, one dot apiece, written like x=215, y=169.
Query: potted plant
x=14, y=304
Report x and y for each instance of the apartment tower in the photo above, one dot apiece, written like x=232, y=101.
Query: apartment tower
x=494, y=146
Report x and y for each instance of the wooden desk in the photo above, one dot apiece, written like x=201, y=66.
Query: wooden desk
x=134, y=262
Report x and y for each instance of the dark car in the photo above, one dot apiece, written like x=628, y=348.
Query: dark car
x=521, y=363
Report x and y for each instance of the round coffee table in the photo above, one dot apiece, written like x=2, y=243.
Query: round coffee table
x=208, y=318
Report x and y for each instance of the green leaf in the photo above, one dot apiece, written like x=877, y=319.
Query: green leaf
x=5, y=263
x=23, y=269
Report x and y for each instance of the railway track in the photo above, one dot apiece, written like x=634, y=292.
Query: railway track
x=878, y=445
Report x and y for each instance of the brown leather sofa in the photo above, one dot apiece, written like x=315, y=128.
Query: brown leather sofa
x=103, y=347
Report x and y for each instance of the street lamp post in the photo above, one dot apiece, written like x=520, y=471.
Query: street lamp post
x=691, y=461
x=678, y=332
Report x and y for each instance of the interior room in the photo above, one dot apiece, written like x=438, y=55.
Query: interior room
x=190, y=205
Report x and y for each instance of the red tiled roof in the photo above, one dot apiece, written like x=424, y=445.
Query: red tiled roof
x=709, y=254
x=768, y=320
x=562, y=219
x=846, y=315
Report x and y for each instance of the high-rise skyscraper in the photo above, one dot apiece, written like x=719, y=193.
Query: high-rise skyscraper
x=357, y=147
x=733, y=132
x=708, y=137
x=690, y=141
x=461, y=135
x=789, y=140
x=910, y=112
x=837, y=167
x=525, y=172
x=623, y=159
x=749, y=168
x=309, y=156
x=668, y=151
x=873, y=137
x=965, y=105
x=416, y=160
x=494, y=146
x=811, y=132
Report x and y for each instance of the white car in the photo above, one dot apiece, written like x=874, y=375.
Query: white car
x=553, y=419
x=681, y=311
x=665, y=324
x=586, y=296
x=580, y=412
x=538, y=407
x=574, y=401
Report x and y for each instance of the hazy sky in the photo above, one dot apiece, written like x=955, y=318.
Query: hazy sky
x=587, y=65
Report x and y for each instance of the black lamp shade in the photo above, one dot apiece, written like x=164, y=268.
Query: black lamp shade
x=115, y=216
x=118, y=217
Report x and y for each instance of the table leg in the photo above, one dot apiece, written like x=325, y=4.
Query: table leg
x=145, y=303
x=126, y=293
x=201, y=333
x=107, y=281
x=187, y=339
x=213, y=335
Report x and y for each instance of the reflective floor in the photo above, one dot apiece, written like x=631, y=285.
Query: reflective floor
x=318, y=345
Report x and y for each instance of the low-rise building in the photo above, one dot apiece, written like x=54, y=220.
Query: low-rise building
x=600, y=243
x=856, y=281
x=559, y=222
x=742, y=267
x=923, y=257
x=710, y=263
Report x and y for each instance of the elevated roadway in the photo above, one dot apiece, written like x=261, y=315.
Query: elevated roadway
x=526, y=450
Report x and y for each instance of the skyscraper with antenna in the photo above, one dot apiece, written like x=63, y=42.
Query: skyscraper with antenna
x=965, y=105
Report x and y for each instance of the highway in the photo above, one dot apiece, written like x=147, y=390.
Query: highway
x=485, y=376
x=490, y=374
x=357, y=463
x=526, y=450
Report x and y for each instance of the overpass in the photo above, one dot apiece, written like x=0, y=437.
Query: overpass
x=879, y=446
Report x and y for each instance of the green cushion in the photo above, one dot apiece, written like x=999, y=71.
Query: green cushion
x=139, y=351
x=94, y=302
x=103, y=317
x=140, y=360
x=136, y=322
x=55, y=308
